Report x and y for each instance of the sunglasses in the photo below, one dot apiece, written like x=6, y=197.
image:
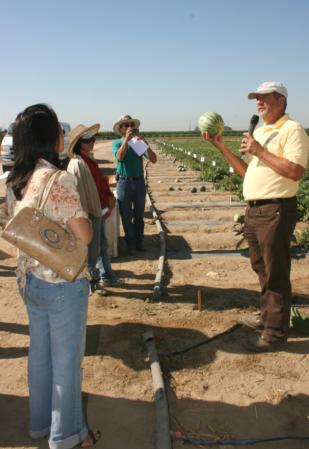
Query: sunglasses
x=127, y=125
x=90, y=140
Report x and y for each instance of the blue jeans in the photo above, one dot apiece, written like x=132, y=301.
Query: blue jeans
x=94, y=248
x=131, y=195
x=105, y=263
x=57, y=323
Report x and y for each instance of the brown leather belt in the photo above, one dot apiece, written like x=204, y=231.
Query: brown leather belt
x=135, y=178
x=255, y=203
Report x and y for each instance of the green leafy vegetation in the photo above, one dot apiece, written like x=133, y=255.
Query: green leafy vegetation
x=302, y=238
x=303, y=198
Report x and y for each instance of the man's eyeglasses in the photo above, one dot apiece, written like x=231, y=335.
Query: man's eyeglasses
x=127, y=125
x=90, y=140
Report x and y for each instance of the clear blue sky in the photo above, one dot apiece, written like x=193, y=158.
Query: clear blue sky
x=163, y=61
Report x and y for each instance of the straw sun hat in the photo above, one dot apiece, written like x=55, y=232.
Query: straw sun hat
x=81, y=131
x=125, y=119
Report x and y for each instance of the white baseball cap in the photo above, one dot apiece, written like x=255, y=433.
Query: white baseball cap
x=267, y=87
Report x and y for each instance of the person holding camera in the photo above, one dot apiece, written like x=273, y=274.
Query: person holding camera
x=274, y=160
x=131, y=189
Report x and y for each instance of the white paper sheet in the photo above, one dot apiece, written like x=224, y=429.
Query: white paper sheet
x=139, y=146
x=104, y=211
x=4, y=176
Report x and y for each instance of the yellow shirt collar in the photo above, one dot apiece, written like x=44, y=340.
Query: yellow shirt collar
x=278, y=123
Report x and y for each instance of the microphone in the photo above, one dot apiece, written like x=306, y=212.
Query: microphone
x=253, y=122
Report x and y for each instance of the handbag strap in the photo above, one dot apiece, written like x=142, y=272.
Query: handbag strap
x=46, y=191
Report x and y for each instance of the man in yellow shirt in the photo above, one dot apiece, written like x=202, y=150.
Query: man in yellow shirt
x=274, y=160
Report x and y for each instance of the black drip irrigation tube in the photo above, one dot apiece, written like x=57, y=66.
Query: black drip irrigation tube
x=196, y=345
x=157, y=288
x=178, y=436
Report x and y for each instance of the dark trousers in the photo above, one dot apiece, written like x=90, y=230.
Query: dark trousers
x=131, y=193
x=268, y=230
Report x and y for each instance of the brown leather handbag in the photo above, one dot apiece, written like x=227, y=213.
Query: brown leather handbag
x=45, y=240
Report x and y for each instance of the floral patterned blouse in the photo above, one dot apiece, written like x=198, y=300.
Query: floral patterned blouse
x=62, y=204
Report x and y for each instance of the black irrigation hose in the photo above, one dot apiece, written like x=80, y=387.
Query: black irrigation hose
x=196, y=345
x=244, y=442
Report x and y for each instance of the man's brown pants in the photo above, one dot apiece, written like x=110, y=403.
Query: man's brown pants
x=268, y=230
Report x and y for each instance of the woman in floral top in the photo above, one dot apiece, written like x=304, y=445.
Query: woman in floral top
x=57, y=309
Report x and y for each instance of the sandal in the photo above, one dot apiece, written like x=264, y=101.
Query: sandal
x=91, y=439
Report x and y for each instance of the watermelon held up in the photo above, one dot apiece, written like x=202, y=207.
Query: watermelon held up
x=212, y=123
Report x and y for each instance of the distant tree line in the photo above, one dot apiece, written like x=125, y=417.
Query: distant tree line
x=109, y=135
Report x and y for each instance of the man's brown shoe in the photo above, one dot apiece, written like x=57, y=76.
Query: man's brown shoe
x=263, y=345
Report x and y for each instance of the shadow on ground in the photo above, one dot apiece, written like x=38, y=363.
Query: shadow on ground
x=124, y=341
x=117, y=417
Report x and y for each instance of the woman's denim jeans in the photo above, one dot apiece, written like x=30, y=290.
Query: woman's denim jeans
x=131, y=195
x=57, y=321
x=104, y=262
x=94, y=248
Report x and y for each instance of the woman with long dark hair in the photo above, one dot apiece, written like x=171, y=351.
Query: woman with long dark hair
x=57, y=309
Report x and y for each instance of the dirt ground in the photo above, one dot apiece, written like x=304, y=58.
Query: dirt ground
x=218, y=390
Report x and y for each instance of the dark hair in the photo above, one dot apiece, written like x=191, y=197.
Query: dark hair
x=35, y=136
x=77, y=147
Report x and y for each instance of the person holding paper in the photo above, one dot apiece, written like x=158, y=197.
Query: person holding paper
x=129, y=152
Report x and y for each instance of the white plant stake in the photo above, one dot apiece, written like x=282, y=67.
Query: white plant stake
x=202, y=167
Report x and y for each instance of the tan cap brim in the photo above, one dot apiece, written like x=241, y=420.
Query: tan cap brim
x=252, y=95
